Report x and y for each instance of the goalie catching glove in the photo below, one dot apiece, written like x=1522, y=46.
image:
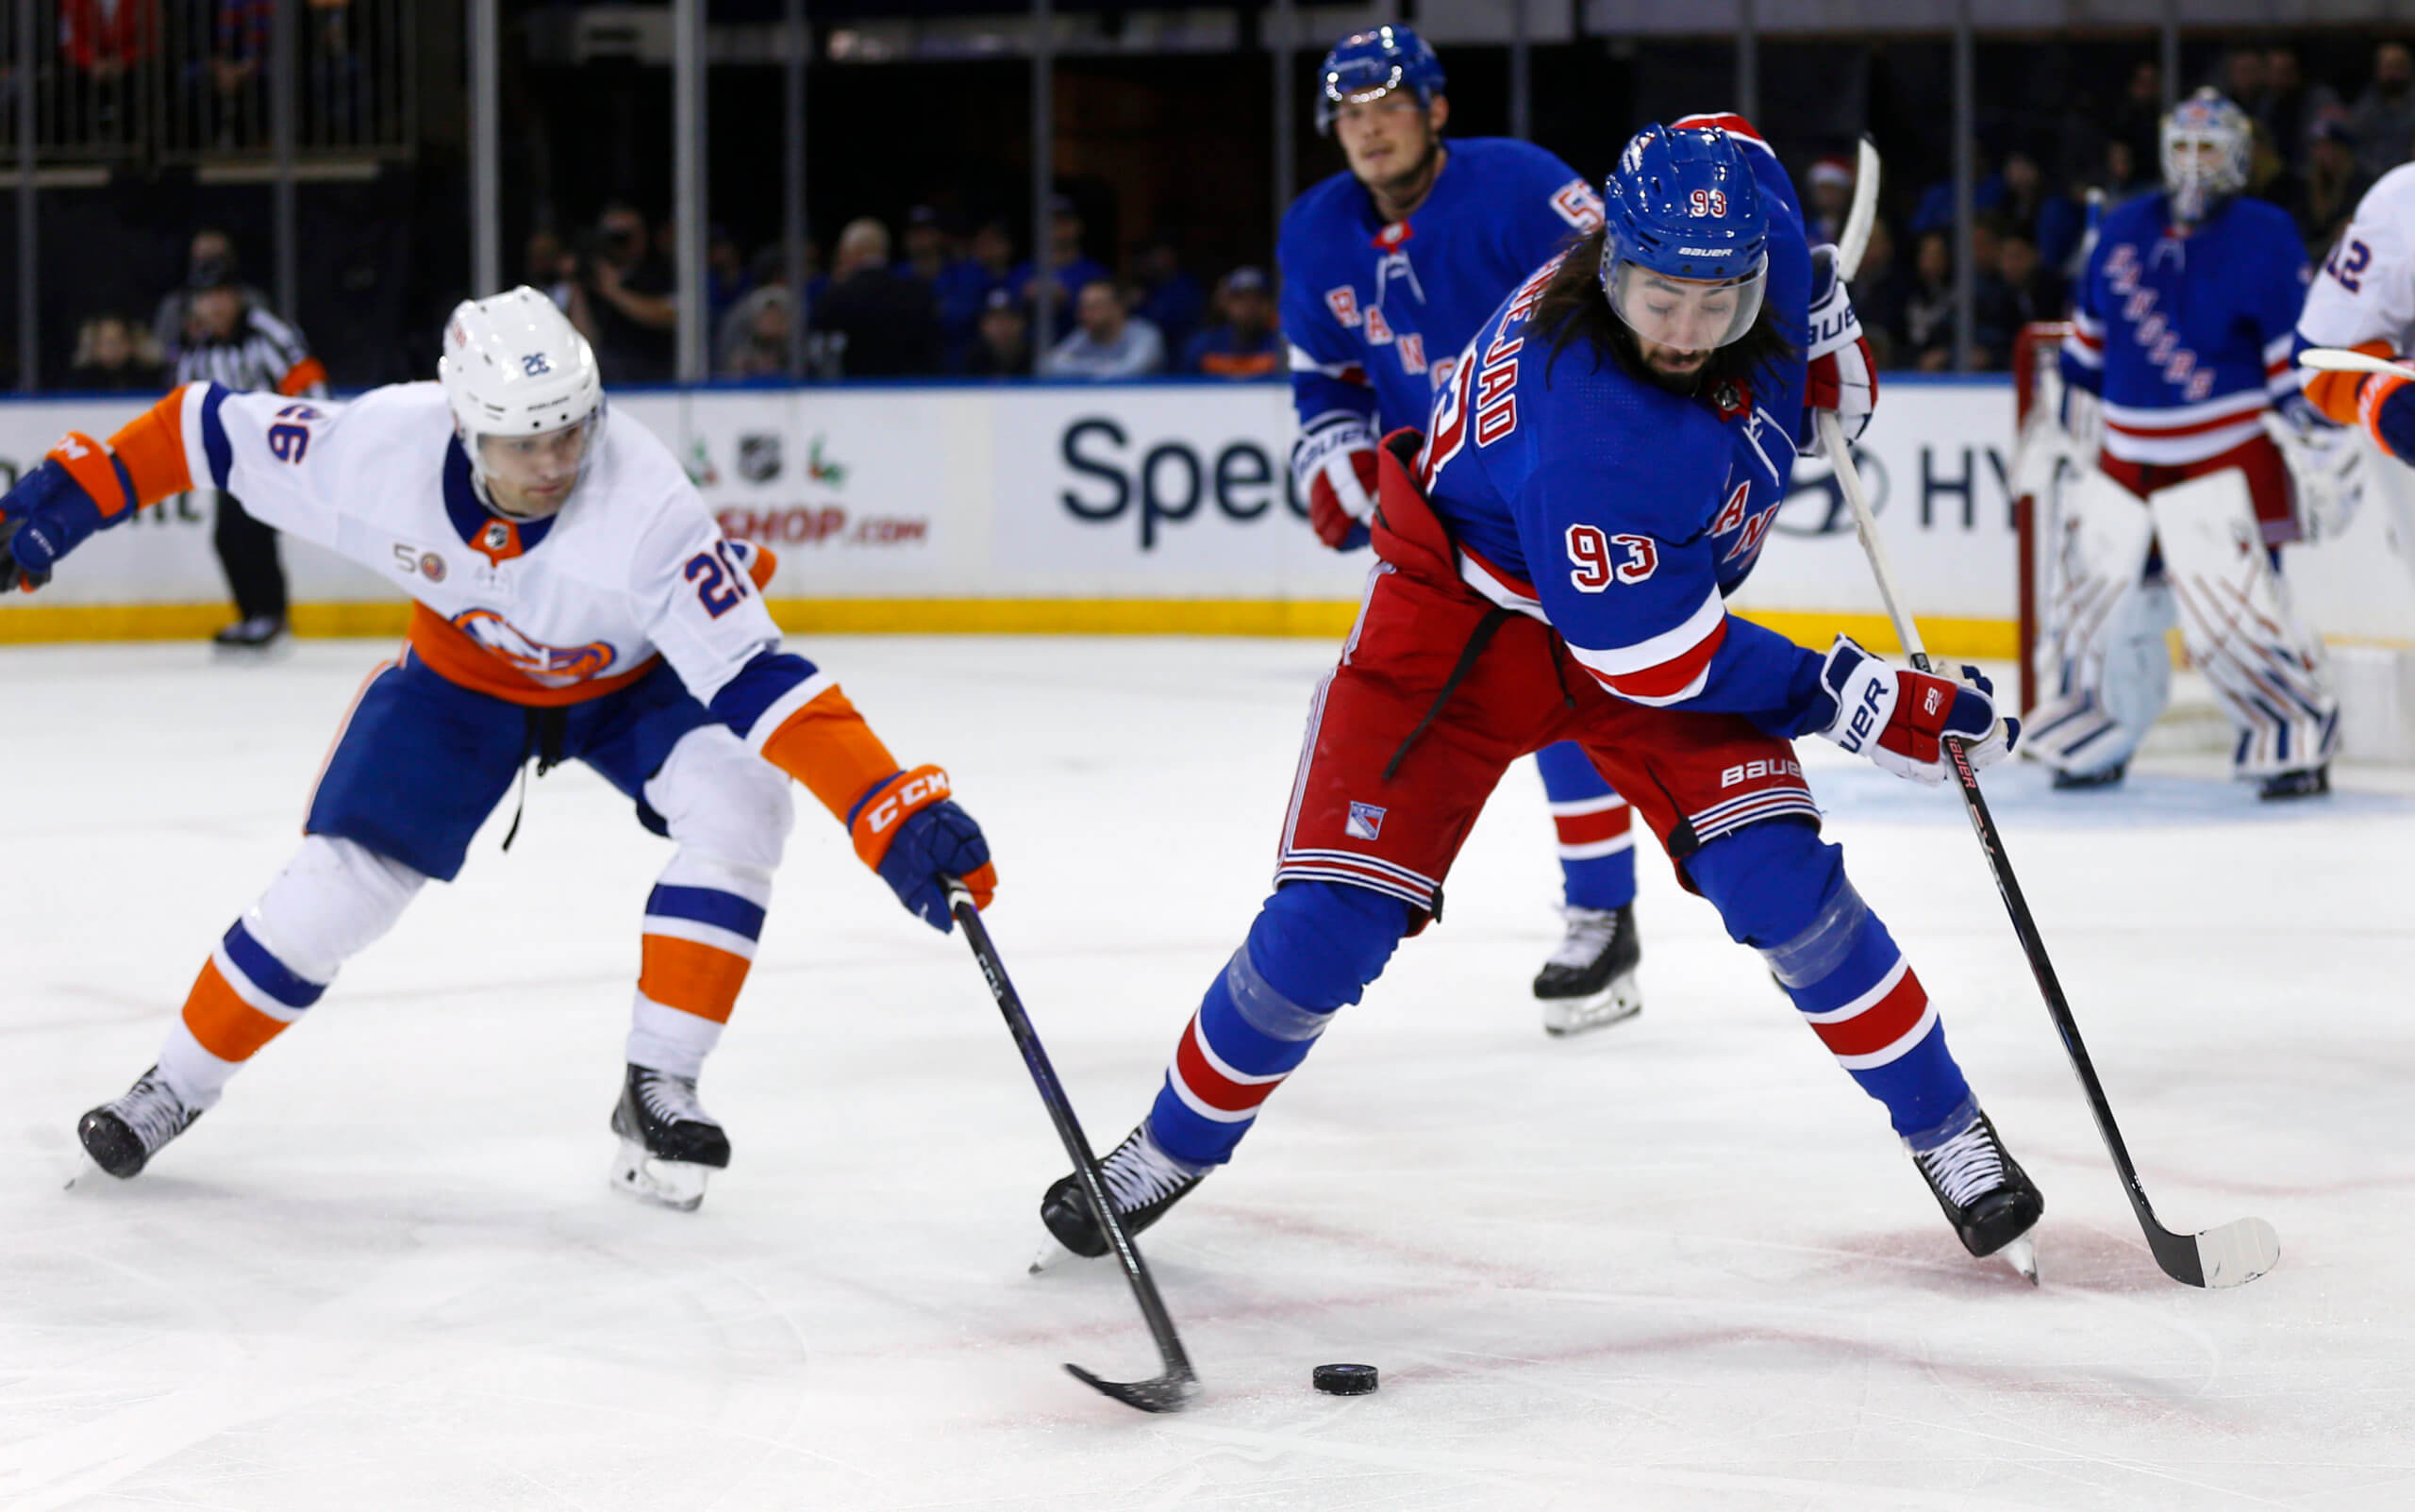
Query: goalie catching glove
x=1333, y=467
x=1900, y=719
x=908, y=830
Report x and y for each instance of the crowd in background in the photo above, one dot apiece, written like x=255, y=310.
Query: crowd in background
x=932, y=297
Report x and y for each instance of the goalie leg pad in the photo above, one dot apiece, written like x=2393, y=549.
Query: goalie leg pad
x=2092, y=616
x=2242, y=631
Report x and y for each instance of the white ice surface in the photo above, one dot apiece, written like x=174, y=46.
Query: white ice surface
x=1680, y=1265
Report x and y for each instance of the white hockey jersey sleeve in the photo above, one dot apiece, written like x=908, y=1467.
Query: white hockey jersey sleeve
x=2366, y=290
x=284, y=457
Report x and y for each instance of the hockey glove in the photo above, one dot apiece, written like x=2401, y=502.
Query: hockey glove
x=1899, y=719
x=2386, y=410
x=1333, y=467
x=908, y=830
x=44, y=517
x=1843, y=376
x=2326, y=462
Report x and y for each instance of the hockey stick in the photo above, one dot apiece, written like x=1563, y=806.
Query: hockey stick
x=1173, y=1390
x=2340, y=359
x=2230, y=1256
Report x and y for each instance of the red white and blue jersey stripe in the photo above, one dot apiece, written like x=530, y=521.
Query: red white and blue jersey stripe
x=2186, y=339
x=1622, y=514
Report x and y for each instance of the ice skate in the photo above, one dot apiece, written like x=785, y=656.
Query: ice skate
x=2307, y=782
x=1987, y=1198
x=669, y=1143
x=1589, y=983
x=252, y=637
x=1142, y=1180
x=122, y=1135
x=2086, y=781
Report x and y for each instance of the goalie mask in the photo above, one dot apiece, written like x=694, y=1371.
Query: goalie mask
x=2206, y=144
x=527, y=401
x=1685, y=255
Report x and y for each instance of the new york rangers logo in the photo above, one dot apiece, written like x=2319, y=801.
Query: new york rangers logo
x=1365, y=822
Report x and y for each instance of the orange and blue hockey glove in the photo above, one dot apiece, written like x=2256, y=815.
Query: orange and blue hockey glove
x=908, y=830
x=54, y=508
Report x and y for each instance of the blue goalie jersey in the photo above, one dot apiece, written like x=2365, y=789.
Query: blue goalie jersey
x=1374, y=313
x=1620, y=514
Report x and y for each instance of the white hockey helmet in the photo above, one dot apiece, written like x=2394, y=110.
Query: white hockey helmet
x=513, y=365
x=2206, y=144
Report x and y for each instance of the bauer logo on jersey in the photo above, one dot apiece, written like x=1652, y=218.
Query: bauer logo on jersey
x=552, y=666
x=1366, y=822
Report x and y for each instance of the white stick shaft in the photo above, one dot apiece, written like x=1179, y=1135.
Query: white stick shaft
x=1855, y=238
x=2340, y=360
x=1832, y=441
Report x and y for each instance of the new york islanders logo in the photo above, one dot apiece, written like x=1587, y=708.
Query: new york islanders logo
x=552, y=666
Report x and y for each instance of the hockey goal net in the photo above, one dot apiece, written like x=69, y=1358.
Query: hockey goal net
x=2358, y=590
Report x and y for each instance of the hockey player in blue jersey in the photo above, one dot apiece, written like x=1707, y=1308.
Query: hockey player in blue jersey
x=2179, y=350
x=1603, y=464
x=1388, y=269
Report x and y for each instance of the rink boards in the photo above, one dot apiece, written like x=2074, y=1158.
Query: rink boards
x=1146, y=508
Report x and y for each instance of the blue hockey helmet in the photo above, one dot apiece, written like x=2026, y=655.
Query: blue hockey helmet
x=1685, y=256
x=1365, y=65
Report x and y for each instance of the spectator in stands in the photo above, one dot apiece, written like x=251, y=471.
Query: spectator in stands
x=547, y=265
x=2383, y=117
x=239, y=345
x=967, y=284
x=104, y=41
x=1001, y=339
x=1831, y=181
x=879, y=324
x=1108, y=341
x=1245, y=344
x=2334, y=181
x=239, y=45
x=2291, y=107
x=1878, y=296
x=725, y=277
x=1076, y=269
x=1927, y=337
x=755, y=338
x=2138, y=123
x=1171, y=299
x=2244, y=79
x=929, y=249
x=110, y=359
x=625, y=299
x=2009, y=296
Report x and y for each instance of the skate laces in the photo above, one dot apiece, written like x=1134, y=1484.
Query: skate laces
x=1139, y=1174
x=1967, y=1166
x=1589, y=933
x=670, y=1099
x=153, y=1111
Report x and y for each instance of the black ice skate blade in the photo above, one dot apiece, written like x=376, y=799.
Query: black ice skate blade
x=1170, y=1392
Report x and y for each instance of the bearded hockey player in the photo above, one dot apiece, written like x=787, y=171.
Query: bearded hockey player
x=2182, y=328
x=1388, y=269
x=575, y=602
x=1603, y=463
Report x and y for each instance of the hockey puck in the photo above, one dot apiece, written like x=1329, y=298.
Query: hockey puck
x=1344, y=1380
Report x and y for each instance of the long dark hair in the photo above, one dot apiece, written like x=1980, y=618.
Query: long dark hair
x=1571, y=306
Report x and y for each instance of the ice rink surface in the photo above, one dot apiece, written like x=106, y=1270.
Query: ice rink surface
x=1681, y=1264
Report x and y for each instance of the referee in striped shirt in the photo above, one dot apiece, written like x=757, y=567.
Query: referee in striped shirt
x=231, y=342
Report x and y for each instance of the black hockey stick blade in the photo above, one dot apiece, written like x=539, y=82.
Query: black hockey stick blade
x=2231, y=1256
x=1169, y=1392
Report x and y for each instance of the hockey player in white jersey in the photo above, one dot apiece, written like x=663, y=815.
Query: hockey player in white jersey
x=2364, y=299
x=2182, y=327
x=574, y=601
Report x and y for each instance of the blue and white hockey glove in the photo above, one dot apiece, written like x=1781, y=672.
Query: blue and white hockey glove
x=909, y=831
x=1842, y=376
x=1900, y=719
x=1333, y=467
x=44, y=517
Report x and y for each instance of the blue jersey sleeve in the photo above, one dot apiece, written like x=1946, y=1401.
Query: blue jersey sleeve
x=2280, y=296
x=1327, y=357
x=2082, y=359
x=1551, y=204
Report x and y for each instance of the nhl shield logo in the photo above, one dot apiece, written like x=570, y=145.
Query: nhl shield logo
x=498, y=536
x=1366, y=822
x=758, y=457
